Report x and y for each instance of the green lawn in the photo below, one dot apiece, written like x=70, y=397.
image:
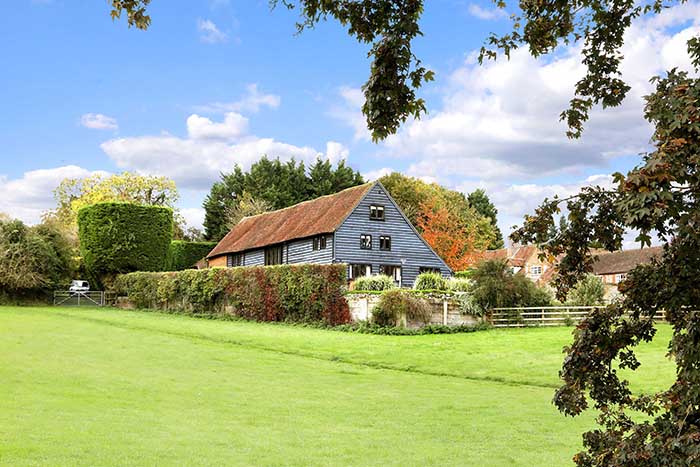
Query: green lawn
x=107, y=387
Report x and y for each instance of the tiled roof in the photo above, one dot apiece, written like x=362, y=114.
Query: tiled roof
x=516, y=256
x=623, y=261
x=318, y=216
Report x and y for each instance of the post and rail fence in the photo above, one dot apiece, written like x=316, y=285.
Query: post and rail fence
x=543, y=316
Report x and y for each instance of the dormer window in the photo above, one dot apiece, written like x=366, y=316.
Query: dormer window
x=376, y=212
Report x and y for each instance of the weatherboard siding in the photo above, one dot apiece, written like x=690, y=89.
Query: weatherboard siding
x=301, y=251
x=406, y=244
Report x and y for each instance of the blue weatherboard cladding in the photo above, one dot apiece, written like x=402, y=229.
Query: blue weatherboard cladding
x=408, y=249
x=295, y=252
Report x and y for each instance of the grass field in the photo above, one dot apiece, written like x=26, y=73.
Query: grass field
x=107, y=387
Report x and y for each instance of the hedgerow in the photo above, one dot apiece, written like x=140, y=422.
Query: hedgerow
x=184, y=255
x=306, y=293
x=121, y=237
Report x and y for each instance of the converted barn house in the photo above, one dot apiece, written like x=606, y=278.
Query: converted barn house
x=361, y=226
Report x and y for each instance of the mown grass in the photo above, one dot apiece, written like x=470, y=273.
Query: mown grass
x=108, y=387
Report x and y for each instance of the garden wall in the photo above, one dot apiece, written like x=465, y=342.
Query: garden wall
x=445, y=309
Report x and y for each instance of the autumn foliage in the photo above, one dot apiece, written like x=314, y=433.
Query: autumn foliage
x=446, y=232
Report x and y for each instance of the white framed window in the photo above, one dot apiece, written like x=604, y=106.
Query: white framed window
x=376, y=212
x=620, y=277
x=365, y=242
x=536, y=270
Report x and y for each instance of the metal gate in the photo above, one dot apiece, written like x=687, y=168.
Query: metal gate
x=92, y=298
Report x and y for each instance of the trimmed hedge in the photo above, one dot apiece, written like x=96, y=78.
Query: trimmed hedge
x=184, y=255
x=308, y=293
x=122, y=237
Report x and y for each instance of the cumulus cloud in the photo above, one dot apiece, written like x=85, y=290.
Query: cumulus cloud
x=348, y=110
x=30, y=195
x=234, y=126
x=209, y=33
x=486, y=13
x=98, y=122
x=500, y=121
x=194, y=217
x=252, y=102
x=210, y=148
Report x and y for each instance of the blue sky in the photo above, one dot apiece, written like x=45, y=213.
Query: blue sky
x=214, y=82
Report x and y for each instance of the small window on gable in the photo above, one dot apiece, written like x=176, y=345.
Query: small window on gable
x=385, y=242
x=319, y=243
x=376, y=212
x=366, y=242
x=536, y=270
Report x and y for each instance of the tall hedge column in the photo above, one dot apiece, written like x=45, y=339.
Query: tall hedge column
x=118, y=238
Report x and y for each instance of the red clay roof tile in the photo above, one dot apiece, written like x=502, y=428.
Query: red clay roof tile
x=318, y=216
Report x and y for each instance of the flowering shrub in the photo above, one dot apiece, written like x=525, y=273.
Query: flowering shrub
x=293, y=293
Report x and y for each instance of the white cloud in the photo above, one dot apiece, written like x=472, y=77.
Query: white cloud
x=336, y=151
x=348, y=111
x=233, y=127
x=210, y=148
x=194, y=217
x=500, y=121
x=98, y=122
x=377, y=174
x=253, y=101
x=486, y=13
x=209, y=33
x=28, y=197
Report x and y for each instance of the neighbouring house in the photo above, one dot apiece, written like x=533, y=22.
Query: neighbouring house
x=612, y=267
x=524, y=260
x=360, y=226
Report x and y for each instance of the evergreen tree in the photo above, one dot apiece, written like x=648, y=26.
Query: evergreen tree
x=480, y=201
x=275, y=183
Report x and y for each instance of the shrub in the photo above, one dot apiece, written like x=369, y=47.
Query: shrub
x=363, y=327
x=589, y=291
x=458, y=284
x=306, y=293
x=184, y=255
x=466, y=274
x=430, y=281
x=380, y=282
x=495, y=286
x=398, y=305
x=33, y=260
x=120, y=237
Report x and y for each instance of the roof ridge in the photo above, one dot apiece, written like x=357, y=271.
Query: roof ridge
x=308, y=201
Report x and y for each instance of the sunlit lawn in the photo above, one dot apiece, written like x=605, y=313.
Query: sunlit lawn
x=107, y=387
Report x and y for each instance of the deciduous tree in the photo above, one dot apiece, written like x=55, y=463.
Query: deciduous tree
x=72, y=194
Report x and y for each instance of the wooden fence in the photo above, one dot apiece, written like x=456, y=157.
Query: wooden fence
x=542, y=316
